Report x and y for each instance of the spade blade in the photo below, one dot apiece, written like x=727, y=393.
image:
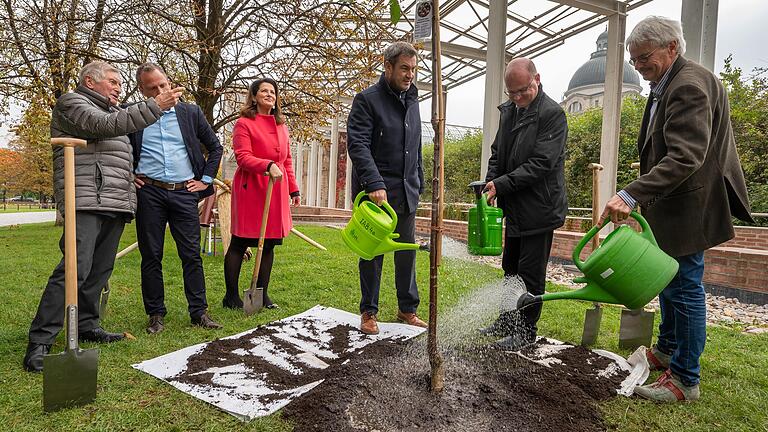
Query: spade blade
x=253, y=300
x=635, y=328
x=69, y=378
x=592, y=319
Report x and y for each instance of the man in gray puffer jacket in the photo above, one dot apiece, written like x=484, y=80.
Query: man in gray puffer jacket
x=105, y=198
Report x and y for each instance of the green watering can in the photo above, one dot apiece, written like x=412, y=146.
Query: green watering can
x=370, y=230
x=628, y=268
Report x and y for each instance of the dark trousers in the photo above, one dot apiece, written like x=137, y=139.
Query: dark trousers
x=233, y=262
x=97, y=237
x=527, y=257
x=405, y=272
x=156, y=207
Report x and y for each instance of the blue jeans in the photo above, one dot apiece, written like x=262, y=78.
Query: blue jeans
x=683, y=327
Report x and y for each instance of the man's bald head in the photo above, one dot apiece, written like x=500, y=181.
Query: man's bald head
x=520, y=65
x=522, y=81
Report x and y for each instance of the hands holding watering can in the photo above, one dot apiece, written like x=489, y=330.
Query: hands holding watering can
x=378, y=196
x=616, y=209
x=490, y=189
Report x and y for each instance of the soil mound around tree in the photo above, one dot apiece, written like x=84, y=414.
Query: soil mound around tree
x=385, y=387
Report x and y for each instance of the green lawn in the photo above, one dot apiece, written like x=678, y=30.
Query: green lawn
x=734, y=366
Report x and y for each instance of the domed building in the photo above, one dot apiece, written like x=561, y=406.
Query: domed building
x=587, y=85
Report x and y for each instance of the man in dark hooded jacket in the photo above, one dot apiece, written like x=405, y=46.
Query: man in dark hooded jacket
x=526, y=176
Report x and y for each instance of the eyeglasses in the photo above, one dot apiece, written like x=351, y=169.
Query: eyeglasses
x=642, y=58
x=513, y=94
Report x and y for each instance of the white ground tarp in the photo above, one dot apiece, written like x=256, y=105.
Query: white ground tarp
x=235, y=389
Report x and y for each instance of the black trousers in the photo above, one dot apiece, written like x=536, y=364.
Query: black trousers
x=156, y=207
x=405, y=272
x=97, y=237
x=233, y=262
x=527, y=257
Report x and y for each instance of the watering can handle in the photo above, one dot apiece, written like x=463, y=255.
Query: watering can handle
x=646, y=233
x=385, y=205
x=358, y=198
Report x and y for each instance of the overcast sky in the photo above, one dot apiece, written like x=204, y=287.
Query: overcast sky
x=741, y=27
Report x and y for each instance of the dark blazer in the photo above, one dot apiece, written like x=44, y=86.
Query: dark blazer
x=691, y=181
x=196, y=133
x=384, y=144
x=527, y=166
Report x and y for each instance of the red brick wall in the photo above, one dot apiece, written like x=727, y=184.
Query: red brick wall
x=743, y=267
x=750, y=238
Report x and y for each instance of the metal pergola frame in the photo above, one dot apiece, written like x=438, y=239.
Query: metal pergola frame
x=480, y=36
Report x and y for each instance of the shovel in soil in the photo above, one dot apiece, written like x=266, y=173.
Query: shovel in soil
x=253, y=298
x=69, y=378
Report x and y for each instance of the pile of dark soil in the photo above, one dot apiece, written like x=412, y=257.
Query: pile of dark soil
x=386, y=388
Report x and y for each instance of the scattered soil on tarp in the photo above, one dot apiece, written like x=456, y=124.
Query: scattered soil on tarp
x=385, y=387
x=228, y=352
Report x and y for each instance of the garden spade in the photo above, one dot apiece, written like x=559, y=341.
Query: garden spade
x=69, y=378
x=635, y=328
x=253, y=298
x=593, y=316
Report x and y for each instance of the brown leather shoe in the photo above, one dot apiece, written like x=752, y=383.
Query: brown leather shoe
x=205, y=321
x=156, y=324
x=410, y=318
x=368, y=323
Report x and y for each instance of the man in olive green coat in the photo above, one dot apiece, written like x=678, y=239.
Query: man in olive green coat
x=690, y=186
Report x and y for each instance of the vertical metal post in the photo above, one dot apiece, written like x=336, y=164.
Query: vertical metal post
x=614, y=71
x=494, y=77
x=699, y=20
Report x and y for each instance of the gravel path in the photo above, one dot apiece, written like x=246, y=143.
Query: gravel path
x=7, y=219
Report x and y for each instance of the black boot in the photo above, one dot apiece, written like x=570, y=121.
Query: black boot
x=232, y=301
x=268, y=302
x=517, y=341
x=503, y=326
x=99, y=335
x=33, y=359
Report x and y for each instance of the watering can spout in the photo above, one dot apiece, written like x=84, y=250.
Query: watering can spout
x=389, y=245
x=592, y=292
x=528, y=299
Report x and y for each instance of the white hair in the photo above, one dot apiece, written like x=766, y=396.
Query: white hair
x=659, y=31
x=97, y=70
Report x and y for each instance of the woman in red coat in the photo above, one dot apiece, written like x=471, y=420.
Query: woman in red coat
x=262, y=149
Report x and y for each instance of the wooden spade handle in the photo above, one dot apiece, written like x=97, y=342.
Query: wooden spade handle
x=68, y=142
x=264, y=217
x=596, y=168
x=70, y=245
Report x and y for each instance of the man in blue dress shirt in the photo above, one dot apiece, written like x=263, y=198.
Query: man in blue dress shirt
x=172, y=175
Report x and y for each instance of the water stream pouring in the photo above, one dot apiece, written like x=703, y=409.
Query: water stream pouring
x=628, y=268
x=371, y=229
x=484, y=226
